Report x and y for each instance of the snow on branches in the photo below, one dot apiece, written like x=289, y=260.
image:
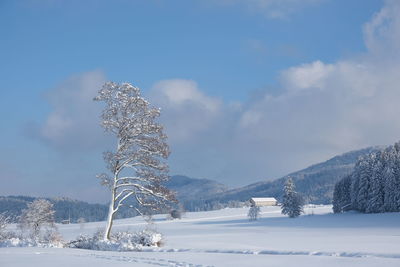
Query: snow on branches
x=293, y=202
x=373, y=186
x=38, y=214
x=137, y=167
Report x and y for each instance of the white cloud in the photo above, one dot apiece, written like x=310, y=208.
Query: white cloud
x=74, y=120
x=324, y=109
x=187, y=111
x=306, y=76
x=382, y=33
x=180, y=92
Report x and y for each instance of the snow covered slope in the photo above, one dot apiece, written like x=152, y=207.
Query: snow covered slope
x=227, y=238
x=316, y=182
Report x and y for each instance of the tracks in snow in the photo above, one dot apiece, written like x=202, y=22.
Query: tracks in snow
x=284, y=253
x=144, y=260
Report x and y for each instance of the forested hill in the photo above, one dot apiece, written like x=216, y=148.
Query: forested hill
x=64, y=208
x=186, y=189
x=316, y=182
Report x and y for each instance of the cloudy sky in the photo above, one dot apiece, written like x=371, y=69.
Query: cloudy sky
x=249, y=89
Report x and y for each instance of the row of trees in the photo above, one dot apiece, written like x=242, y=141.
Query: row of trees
x=374, y=185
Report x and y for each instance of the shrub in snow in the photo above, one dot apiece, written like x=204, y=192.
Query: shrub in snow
x=120, y=241
x=176, y=214
x=39, y=214
x=4, y=220
x=12, y=239
x=292, y=203
x=37, y=217
x=81, y=222
x=254, y=213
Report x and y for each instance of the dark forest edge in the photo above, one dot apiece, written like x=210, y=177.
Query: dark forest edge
x=373, y=186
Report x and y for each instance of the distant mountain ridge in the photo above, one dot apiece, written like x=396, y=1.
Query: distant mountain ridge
x=316, y=182
x=188, y=188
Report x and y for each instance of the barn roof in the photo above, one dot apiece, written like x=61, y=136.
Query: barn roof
x=260, y=199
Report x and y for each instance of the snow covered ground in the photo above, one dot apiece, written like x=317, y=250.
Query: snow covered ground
x=227, y=238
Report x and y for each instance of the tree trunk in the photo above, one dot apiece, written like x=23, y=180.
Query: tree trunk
x=110, y=218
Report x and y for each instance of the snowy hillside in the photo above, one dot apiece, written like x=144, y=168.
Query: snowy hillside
x=316, y=182
x=227, y=238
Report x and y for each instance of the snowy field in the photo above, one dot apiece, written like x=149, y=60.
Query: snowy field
x=227, y=238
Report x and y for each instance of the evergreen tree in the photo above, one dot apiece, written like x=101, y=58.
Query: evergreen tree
x=374, y=185
x=376, y=194
x=365, y=173
x=292, y=204
x=341, y=195
x=389, y=183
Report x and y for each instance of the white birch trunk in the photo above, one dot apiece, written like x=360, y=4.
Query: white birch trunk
x=110, y=217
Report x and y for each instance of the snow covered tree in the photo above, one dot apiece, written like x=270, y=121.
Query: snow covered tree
x=292, y=204
x=138, y=165
x=375, y=202
x=341, y=195
x=4, y=220
x=391, y=182
x=38, y=214
x=254, y=213
x=375, y=183
x=365, y=174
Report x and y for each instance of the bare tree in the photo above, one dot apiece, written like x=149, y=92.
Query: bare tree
x=254, y=213
x=38, y=214
x=138, y=165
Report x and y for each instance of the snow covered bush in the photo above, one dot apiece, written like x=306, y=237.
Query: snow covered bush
x=19, y=241
x=38, y=215
x=4, y=234
x=120, y=241
x=4, y=220
x=254, y=213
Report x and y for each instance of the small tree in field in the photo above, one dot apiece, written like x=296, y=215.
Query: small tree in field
x=38, y=214
x=138, y=164
x=4, y=220
x=254, y=213
x=292, y=204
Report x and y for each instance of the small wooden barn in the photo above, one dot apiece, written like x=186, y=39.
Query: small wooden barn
x=263, y=201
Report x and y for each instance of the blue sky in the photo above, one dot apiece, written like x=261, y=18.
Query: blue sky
x=250, y=90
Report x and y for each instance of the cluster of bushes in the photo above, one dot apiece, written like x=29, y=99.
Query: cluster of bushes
x=120, y=241
x=37, y=229
x=374, y=185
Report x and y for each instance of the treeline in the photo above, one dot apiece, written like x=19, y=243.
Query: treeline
x=207, y=205
x=73, y=210
x=65, y=209
x=374, y=185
